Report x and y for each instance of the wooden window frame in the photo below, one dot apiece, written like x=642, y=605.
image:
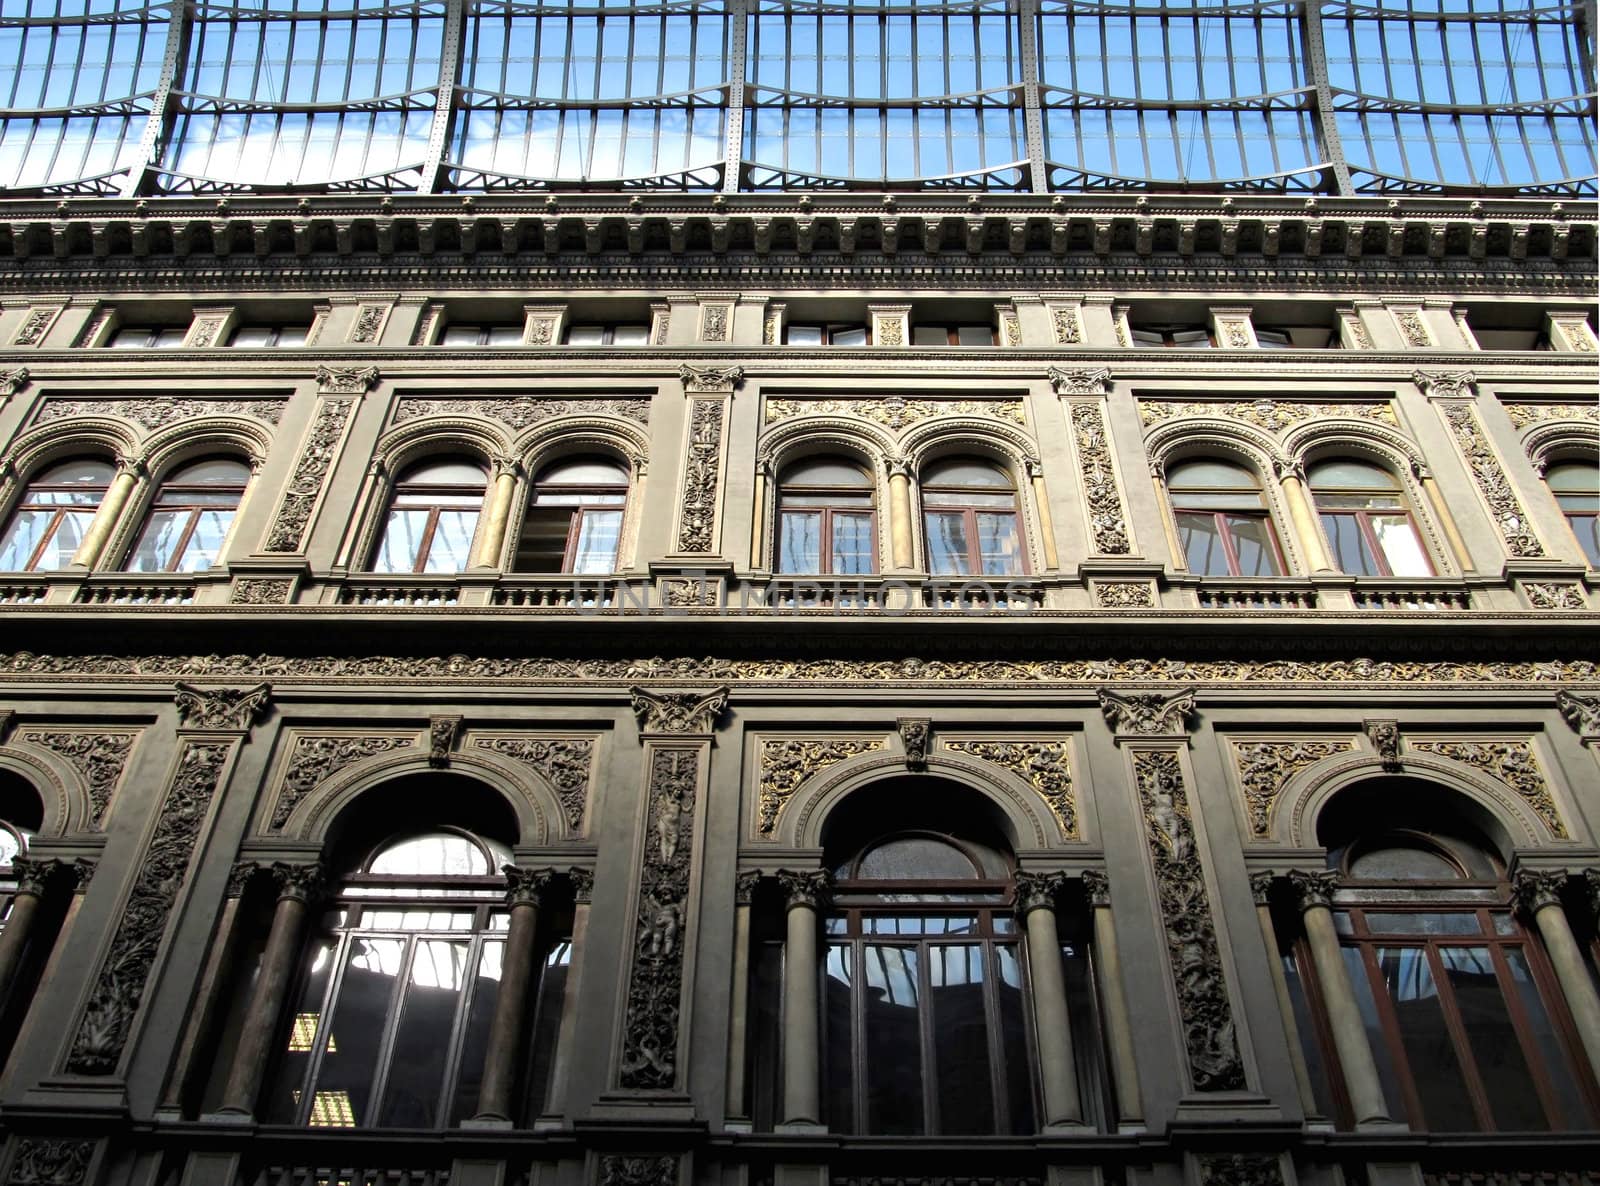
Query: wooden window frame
x=60, y=511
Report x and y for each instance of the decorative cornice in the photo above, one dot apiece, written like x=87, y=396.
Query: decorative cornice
x=1080, y=381
x=1534, y=889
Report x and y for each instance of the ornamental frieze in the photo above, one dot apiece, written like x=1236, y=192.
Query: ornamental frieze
x=517, y=414
x=315, y=757
x=98, y=755
x=699, y=501
x=158, y=412
x=1046, y=766
x=1271, y=415
x=564, y=762
x=1491, y=478
x=1265, y=766
x=895, y=413
x=1107, y=518
x=1090, y=673
x=786, y=763
x=1513, y=763
x=1524, y=415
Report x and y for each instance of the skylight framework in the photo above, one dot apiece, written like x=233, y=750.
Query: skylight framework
x=119, y=97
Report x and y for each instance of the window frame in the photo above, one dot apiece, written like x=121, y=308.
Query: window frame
x=59, y=510
x=969, y=515
x=157, y=337
x=1219, y=517
x=1570, y=517
x=1362, y=517
x=577, y=512
x=397, y=490
x=830, y=331
x=608, y=333
x=173, y=561
x=867, y=509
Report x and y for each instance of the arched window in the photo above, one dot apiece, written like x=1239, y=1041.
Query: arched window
x=925, y=1024
x=574, y=519
x=1366, y=519
x=433, y=516
x=969, y=514
x=1222, y=519
x=188, y=522
x=1576, y=485
x=1464, y=1018
x=826, y=522
x=391, y=1018
x=55, y=512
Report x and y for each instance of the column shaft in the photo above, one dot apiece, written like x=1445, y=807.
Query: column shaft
x=94, y=539
x=1573, y=976
x=738, y=1010
x=900, y=534
x=1047, y=529
x=1180, y=562
x=1057, y=1067
x=1344, y=1018
x=14, y=939
x=266, y=1002
x=491, y=540
x=1119, y=1035
x=1441, y=511
x=510, y=1014
x=800, y=1023
x=1305, y=523
x=758, y=520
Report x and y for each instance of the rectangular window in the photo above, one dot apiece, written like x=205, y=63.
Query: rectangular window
x=608, y=335
x=148, y=337
x=269, y=336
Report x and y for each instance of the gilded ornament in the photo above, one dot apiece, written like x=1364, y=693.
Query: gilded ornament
x=1068, y=331
x=1513, y=763
x=1124, y=595
x=894, y=412
x=1553, y=594
x=1046, y=766
x=520, y=413
x=1265, y=766
x=1269, y=414
x=1147, y=714
x=1492, y=481
x=316, y=757
x=786, y=763
x=1524, y=415
x=565, y=763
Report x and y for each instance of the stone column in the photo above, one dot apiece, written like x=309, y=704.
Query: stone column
x=1047, y=529
x=523, y=890
x=298, y=886
x=1036, y=902
x=805, y=893
x=110, y=510
x=758, y=520
x=1260, y=889
x=739, y=1002
x=901, y=529
x=33, y=879
x=1113, y=1003
x=1315, y=894
x=1169, y=522
x=1304, y=517
x=492, y=536
x=582, y=881
x=1538, y=895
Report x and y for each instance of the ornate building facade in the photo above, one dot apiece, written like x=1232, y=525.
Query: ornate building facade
x=811, y=595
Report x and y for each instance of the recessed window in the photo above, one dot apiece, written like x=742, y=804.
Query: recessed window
x=188, y=523
x=952, y=335
x=826, y=522
x=608, y=335
x=263, y=337
x=1366, y=520
x=148, y=337
x=825, y=334
x=574, y=519
x=499, y=334
x=1182, y=337
x=50, y=522
x=1222, y=520
x=969, y=514
x=1576, y=485
x=433, y=516
x=1296, y=337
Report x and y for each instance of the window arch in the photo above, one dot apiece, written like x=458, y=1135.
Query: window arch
x=1366, y=519
x=54, y=514
x=1465, y=1020
x=432, y=517
x=574, y=517
x=188, y=521
x=1576, y=486
x=970, y=519
x=391, y=1018
x=1223, y=521
x=826, y=520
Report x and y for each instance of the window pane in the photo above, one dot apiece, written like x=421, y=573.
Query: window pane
x=306, y=1033
x=852, y=544
x=1587, y=528
x=159, y=541
x=443, y=853
x=800, y=541
x=547, y=1024
x=1493, y=1041
x=1015, y=1059
x=948, y=553
x=1349, y=546
x=1408, y=979
x=422, y=1040
x=961, y=1038
x=599, y=533
x=22, y=539
x=1455, y=922
x=344, y=1082
x=997, y=537
x=205, y=542
x=916, y=858
x=836, y=1020
x=1202, y=545
x=452, y=541
x=1252, y=541
x=1401, y=547
x=892, y=1034
x=1555, y=1069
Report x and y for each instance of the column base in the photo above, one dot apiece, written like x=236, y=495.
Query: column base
x=487, y=1123
x=801, y=1126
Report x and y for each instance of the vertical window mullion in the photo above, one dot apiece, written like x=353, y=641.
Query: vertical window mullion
x=932, y=1121
x=1519, y=1018
x=319, y=1040
x=391, y=1029
x=989, y=960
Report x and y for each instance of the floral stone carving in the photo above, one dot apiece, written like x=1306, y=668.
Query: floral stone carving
x=1272, y=415
x=894, y=412
x=1513, y=763
x=119, y=987
x=1264, y=767
x=1046, y=766
x=700, y=476
x=655, y=985
x=564, y=762
x=678, y=712
x=1581, y=712
x=221, y=708
x=518, y=414
x=310, y=469
x=159, y=412
x=1524, y=415
x=785, y=764
x=1491, y=478
x=98, y=757
x=1147, y=714
x=318, y=756
x=1203, y=1005
x=620, y=1170
x=49, y=1161
x=1107, y=518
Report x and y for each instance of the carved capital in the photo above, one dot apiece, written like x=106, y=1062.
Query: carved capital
x=34, y=875
x=442, y=732
x=582, y=882
x=81, y=873
x=1261, y=882
x=525, y=887
x=914, y=736
x=745, y=885
x=1446, y=384
x=811, y=889
x=346, y=380
x=1591, y=883
x=1038, y=891
x=1581, y=712
x=240, y=877
x=1147, y=714
x=683, y=713
x=13, y=381
x=233, y=709
x=1534, y=889
x=1097, y=887
x=1385, y=736
x=300, y=883
x=1313, y=889
x=698, y=380
x=1083, y=381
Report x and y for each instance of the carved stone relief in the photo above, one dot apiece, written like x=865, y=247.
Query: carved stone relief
x=1526, y=415
x=1240, y=1169
x=98, y=755
x=895, y=412
x=346, y=380
x=1385, y=738
x=158, y=412
x=119, y=986
x=1203, y=1005
x=1124, y=594
x=1265, y=766
x=700, y=470
x=442, y=732
x=786, y=763
x=714, y=324
x=221, y=708
x=310, y=470
x=1492, y=481
x=633, y=1170
x=261, y=591
x=1581, y=712
x=1068, y=330
x=1412, y=329
x=315, y=757
x=914, y=734
x=13, y=381
x=1268, y=414
x=1446, y=384
x=519, y=413
x=1147, y=714
x=1046, y=766
x=564, y=762
x=32, y=330
x=678, y=712
x=889, y=330
x=1084, y=381
x=1513, y=763
x=1534, y=889
x=50, y=1161
x=1553, y=594
x=1107, y=518
x=704, y=379
x=655, y=985
x=369, y=323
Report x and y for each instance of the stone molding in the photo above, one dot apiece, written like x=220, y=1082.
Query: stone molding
x=314, y=757
x=1108, y=516
x=161, y=411
x=1270, y=415
x=895, y=412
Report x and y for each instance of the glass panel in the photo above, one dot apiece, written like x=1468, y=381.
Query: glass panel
x=475, y=1031
x=1408, y=979
x=159, y=541
x=853, y=336
x=451, y=546
x=422, y=1039
x=853, y=552
x=1555, y=1068
x=1587, y=528
x=1209, y=474
x=1457, y=922
x=800, y=541
x=599, y=534
x=344, y=1082
x=444, y=472
x=306, y=1033
x=961, y=1038
x=1000, y=549
x=584, y=471
x=1377, y=1038
x=918, y=858
x=1252, y=541
x=205, y=542
x=892, y=1037
x=546, y=1026
x=1575, y=478
x=803, y=335
x=1306, y=1030
x=837, y=983
x=1328, y=475
x=1491, y=1038
x=948, y=552
x=1015, y=1059
x=402, y=537
x=444, y=854
x=1202, y=544
x=1395, y=863
x=964, y=471
x=824, y=471
x=423, y=919
x=1349, y=545
x=1401, y=547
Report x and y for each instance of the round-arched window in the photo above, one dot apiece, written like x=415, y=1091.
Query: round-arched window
x=50, y=522
x=1576, y=485
x=574, y=520
x=826, y=522
x=187, y=524
x=1366, y=519
x=432, y=518
x=969, y=517
x=1222, y=519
